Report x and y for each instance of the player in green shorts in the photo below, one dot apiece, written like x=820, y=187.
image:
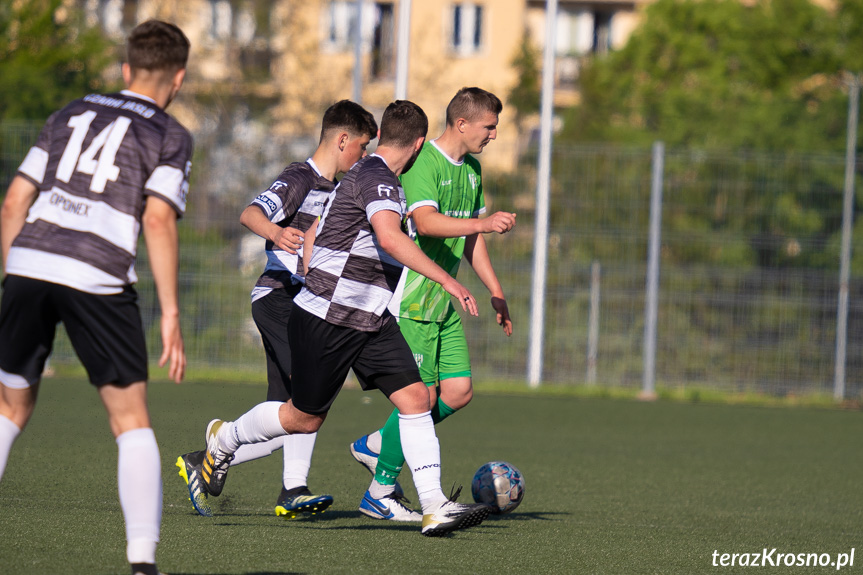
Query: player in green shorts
x=445, y=197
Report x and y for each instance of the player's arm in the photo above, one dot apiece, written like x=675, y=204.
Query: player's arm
x=159, y=224
x=431, y=223
x=387, y=226
x=287, y=239
x=19, y=197
x=477, y=256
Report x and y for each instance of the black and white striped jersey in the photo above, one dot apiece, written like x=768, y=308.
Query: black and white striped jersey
x=296, y=199
x=94, y=163
x=351, y=279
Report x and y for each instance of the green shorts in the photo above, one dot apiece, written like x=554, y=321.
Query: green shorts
x=439, y=348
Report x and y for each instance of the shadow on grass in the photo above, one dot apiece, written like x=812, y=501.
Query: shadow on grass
x=245, y=573
x=536, y=515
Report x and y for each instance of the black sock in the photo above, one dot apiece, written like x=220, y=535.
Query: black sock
x=144, y=569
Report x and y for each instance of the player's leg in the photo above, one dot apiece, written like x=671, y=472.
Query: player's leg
x=321, y=357
x=27, y=326
x=426, y=342
x=381, y=501
x=454, y=372
x=387, y=363
x=107, y=334
x=139, y=476
x=272, y=313
x=191, y=464
x=16, y=406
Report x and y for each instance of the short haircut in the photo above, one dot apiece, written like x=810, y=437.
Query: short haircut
x=155, y=46
x=350, y=117
x=470, y=104
x=402, y=123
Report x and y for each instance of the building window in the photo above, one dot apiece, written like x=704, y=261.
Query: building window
x=114, y=16
x=580, y=33
x=220, y=19
x=467, y=28
x=383, y=42
x=583, y=31
x=340, y=21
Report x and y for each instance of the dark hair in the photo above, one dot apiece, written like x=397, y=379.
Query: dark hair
x=470, y=104
x=351, y=117
x=402, y=123
x=156, y=45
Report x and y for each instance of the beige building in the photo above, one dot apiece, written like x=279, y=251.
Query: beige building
x=295, y=57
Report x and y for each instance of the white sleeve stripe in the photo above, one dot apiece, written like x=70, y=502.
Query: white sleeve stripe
x=35, y=163
x=422, y=203
x=168, y=181
x=381, y=205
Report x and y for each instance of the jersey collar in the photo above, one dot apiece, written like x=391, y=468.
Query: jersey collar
x=314, y=166
x=132, y=94
x=444, y=154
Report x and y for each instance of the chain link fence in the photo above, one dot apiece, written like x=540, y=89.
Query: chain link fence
x=748, y=275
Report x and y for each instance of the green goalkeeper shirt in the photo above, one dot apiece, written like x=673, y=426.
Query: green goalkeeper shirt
x=454, y=189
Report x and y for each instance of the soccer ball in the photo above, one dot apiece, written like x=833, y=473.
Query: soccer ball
x=499, y=484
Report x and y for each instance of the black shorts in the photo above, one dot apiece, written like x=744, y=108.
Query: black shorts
x=322, y=354
x=271, y=314
x=105, y=330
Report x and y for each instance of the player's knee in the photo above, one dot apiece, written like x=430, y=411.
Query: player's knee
x=412, y=399
x=17, y=405
x=458, y=395
x=294, y=420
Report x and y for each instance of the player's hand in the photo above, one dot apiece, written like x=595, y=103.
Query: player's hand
x=288, y=239
x=503, y=319
x=499, y=222
x=461, y=293
x=173, y=349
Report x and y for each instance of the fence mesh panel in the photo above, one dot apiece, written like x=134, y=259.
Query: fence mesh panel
x=748, y=275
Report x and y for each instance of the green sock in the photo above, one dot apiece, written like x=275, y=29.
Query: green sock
x=441, y=411
x=391, y=459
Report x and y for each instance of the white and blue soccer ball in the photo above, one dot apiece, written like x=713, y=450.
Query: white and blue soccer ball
x=498, y=484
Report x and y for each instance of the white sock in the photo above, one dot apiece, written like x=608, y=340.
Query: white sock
x=422, y=453
x=261, y=423
x=374, y=441
x=379, y=490
x=139, y=482
x=252, y=451
x=298, y=459
x=8, y=432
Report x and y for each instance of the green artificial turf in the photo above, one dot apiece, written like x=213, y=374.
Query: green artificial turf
x=613, y=486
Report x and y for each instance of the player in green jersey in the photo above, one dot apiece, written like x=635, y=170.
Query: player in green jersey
x=445, y=197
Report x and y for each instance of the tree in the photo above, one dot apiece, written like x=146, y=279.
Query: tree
x=48, y=56
x=525, y=95
x=722, y=73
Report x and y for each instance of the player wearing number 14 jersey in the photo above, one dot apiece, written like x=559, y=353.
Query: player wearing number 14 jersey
x=103, y=169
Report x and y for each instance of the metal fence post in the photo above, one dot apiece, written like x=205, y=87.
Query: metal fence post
x=593, y=324
x=847, y=224
x=651, y=298
x=543, y=185
x=358, y=55
x=403, y=49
